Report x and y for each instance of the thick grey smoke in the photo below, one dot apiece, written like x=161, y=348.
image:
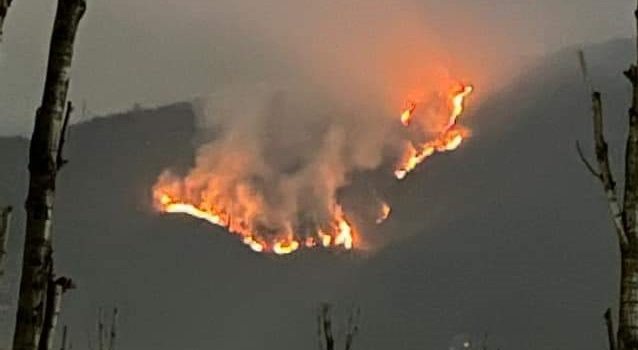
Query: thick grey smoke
x=276, y=156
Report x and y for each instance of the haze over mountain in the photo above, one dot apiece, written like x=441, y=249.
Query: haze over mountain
x=509, y=235
x=155, y=53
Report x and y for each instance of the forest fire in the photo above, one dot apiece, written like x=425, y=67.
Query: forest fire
x=233, y=186
x=339, y=233
x=449, y=139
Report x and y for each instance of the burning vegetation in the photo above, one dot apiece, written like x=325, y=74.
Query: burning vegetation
x=449, y=139
x=280, y=207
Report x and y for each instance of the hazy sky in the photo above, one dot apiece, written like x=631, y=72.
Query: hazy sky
x=156, y=52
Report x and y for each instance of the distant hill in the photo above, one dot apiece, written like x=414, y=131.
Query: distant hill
x=509, y=235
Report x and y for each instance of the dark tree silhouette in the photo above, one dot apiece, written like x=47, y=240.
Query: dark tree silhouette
x=38, y=285
x=625, y=213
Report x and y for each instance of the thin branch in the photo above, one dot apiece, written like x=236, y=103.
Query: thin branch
x=610, y=330
x=585, y=71
x=326, y=326
x=113, y=332
x=100, y=330
x=63, y=134
x=64, y=337
x=352, y=328
x=586, y=162
x=4, y=8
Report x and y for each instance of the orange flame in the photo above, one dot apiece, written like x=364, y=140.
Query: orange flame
x=406, y=116
x=340, y=232
x=336, y=230
x=448, y=140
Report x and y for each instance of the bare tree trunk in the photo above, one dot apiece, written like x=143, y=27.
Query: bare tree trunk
x=65, y=331
x=326, y=332
x=100, y=329
x=43, y=167
x=325, y=324
x=113, y=333
x=4, y=8
x=628, y=314
x=625, y=217
x=5, y=226
x=55, y=290
x=352, y=328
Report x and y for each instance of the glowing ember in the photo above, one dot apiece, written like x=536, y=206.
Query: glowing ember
x=384, y=214
x=448, y=140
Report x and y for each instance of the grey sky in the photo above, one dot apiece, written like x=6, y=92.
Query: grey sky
x=156, y=52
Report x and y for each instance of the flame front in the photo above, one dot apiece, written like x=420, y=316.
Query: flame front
x=449, y=139
x=216, y=196
x=339, y=232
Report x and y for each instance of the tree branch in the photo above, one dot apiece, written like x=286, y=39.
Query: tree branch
x=60, y=161
x=352, y=328
x=4, y=8
x=604, y=173
x=586, y=162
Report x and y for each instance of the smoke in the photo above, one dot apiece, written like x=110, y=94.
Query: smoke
x=275, y=157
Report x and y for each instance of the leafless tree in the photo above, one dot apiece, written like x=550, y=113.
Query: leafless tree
x=105, y=339
x=624, y=210
x=45, y=160
x=113, y=330
x=326, y=325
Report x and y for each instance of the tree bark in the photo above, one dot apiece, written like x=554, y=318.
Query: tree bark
x=43, y=167
x=5, y=226
x=628, y=313
x=628, y=317
x=55, y=290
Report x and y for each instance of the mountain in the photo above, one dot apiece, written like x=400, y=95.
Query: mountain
x=509, y=235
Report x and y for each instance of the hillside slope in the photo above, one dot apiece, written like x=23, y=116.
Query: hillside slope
x=509, y=235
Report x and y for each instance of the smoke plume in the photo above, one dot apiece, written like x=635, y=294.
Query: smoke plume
x=276, y=156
